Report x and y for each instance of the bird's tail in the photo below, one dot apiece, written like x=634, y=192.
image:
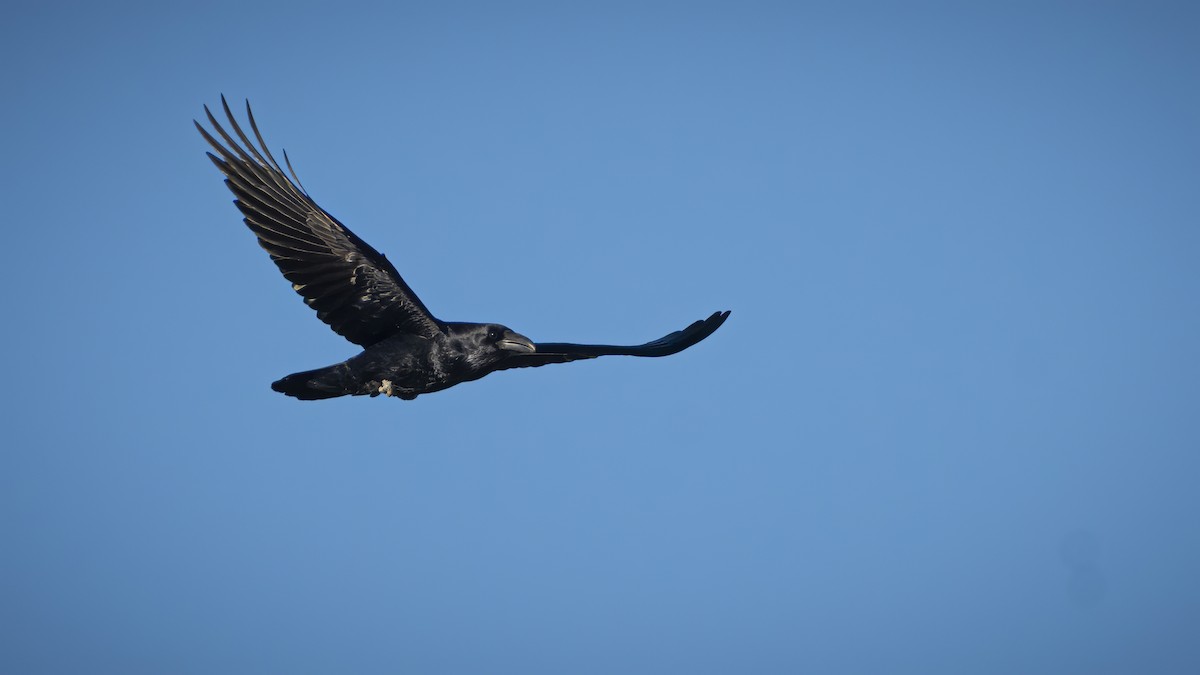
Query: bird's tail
x=312, y=385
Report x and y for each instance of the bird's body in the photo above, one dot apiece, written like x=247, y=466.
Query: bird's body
x=405, y=366
x=360, y=294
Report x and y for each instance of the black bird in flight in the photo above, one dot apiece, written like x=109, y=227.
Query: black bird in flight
x=354, y=289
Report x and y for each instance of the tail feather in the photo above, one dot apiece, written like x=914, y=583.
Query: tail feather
x=313, y=385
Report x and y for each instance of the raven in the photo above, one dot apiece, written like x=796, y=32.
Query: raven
x=359, y=293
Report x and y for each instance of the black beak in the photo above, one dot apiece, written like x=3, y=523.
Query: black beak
x=515, y=342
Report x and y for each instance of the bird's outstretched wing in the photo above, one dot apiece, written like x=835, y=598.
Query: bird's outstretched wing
x=562, y=352
x=352, y=286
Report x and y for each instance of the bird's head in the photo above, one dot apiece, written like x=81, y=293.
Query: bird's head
x=486, y=344
x=507, y=340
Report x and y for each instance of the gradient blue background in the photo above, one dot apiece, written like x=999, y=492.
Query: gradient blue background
x=951, y=427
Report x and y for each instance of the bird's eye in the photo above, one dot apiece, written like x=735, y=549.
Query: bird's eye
x=493, y=334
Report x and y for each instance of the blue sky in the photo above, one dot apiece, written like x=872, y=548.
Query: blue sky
x=951, y=426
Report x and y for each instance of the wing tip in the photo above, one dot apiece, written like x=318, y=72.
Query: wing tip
x=713, y=322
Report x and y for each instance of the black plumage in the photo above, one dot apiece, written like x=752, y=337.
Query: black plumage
x=361, y=295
